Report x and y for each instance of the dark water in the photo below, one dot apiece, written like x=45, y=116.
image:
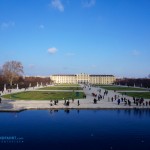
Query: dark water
x=76, y=130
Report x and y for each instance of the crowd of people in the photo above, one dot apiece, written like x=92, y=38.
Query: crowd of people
x=66, y=102
x=116, y=98
x=102, y=95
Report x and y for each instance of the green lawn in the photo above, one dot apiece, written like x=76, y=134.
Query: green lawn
x=117, y=88
x=107, y=85
x=138, y=94
x=60, y=88
x=67, y=84
x=39, y=95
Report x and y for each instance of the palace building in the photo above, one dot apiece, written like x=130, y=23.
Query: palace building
x=83, y=78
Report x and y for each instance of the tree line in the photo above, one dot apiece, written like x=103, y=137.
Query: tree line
x=141, y=82
x=11, y=75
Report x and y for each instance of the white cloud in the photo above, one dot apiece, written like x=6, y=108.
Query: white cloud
x=5, y=25
x=52, y=50
x=88, y=3
x=41, y=26
x=70, y=54
x=135, y=53
x=57, y=4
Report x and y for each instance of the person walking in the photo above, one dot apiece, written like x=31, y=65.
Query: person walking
x=118, y=101
x=78, y=103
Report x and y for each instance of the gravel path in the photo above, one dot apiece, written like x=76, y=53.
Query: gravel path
x=88, y=103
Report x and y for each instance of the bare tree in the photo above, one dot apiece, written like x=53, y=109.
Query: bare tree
x=12, y=70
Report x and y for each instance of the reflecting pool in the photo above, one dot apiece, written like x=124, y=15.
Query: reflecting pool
x=75, y=130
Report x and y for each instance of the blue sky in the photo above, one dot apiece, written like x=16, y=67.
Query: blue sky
x=77, y=36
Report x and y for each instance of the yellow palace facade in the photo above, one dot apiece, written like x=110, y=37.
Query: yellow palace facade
x=82, y=78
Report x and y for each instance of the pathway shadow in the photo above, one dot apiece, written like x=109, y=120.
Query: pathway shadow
x=7, y=105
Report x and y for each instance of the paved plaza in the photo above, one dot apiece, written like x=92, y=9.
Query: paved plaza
x=88, y=103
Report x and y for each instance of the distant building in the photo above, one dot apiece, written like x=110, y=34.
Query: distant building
x=83, y=78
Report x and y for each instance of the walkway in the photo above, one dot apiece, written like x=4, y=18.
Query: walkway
x=18, y=105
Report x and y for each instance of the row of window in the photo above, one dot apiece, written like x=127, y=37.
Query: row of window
x=95, y=78
x=74, y=79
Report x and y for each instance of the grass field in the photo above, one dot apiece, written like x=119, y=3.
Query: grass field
x=61, y=88
x=39, y=95
x=117, y=88
x=138, y=94
x=67, y=84
x=101, y=85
